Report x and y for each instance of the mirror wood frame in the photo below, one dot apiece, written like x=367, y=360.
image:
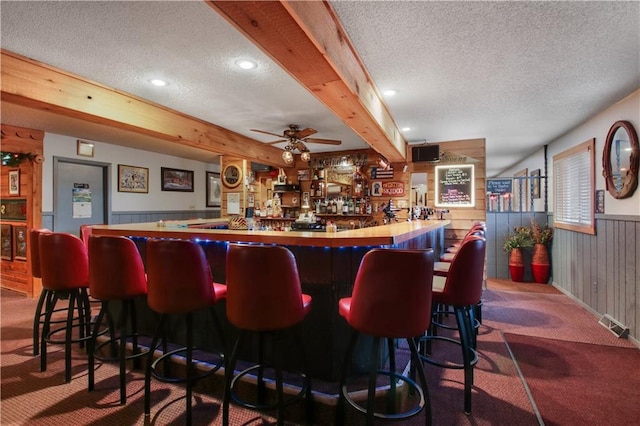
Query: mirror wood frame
x=630, y=182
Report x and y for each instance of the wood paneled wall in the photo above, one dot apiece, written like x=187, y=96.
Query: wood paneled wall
x=16, y=274
x=470, y=151
x=602, y=271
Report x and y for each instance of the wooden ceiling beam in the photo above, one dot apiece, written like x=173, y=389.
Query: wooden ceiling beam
x=35, y=85
x=308, y=41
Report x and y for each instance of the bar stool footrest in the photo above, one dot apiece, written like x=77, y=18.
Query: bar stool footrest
x=266, y=407
x=452, y=365
x=49, y=337
x=115, y=358
x=397, y=416
x=175, y=379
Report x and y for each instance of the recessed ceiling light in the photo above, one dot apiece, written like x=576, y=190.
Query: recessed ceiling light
x=246, y=64
x=406, y=129
x=390, y=92
x=158, y=82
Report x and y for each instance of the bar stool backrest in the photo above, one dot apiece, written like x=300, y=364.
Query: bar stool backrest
x=463, y=285
x=64, y=262
x=34, y=251
x=263, y=287
x=116, y=270
x=85, y=232
x=392, y=293
x=179, y=277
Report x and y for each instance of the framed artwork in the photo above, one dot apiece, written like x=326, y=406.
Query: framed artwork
x=535, y=182
x=6, y=242
x=376, y=189
x=599, y=208
x=304, y=175
x=133, y=179
x=306, y=199
x=214, y=191
x=85, y=148
x=20, y=242
x=176, y=179
x=14, y=182
x=521, y=191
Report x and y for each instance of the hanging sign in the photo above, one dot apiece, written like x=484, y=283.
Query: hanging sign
x=393, y=189
x=81, y=199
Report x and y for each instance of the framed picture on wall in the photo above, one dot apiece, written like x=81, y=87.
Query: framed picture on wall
x=214, y=190
x=6, y=242
x=14, y=182
x=535, y=182
x=176, y=179
x=20, y=242
x=133, y=179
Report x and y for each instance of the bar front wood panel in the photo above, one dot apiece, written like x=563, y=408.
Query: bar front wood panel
x=327, y=272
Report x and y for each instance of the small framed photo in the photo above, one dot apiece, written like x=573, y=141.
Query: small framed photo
x=214, y=189
x=14, y=182
x=599, y=207
x=20, y=242
x=304, y=175
x=6, y=242
x=376, y=189
x=133, y=179
x=535, y=182
x=306, y=199
x=176, y=179
x=85, y=149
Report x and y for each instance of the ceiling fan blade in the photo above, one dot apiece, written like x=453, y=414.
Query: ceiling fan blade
x=305, y=132
x=275, y=142
x=323, y=141
x=265, y=132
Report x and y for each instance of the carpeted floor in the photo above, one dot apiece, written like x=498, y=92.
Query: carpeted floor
x=606, y=379
x=531, y=311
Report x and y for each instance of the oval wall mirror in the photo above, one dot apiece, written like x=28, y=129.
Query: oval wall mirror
x=620, y=160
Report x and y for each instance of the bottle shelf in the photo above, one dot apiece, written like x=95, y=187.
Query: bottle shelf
x=342, y=215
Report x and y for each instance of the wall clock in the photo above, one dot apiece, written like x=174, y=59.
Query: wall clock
x=231, y=176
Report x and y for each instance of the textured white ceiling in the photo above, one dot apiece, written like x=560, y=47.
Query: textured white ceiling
x=519, y=74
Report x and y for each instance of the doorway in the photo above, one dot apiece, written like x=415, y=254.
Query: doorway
x=80, y=194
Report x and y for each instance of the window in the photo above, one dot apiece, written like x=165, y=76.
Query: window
x=573, y=175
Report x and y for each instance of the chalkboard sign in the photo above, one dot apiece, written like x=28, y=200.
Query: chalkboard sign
x=454, y=186
x=499, y=186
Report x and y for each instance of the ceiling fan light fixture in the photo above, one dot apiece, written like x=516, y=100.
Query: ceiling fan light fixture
x=287, y=156
x=305, y=156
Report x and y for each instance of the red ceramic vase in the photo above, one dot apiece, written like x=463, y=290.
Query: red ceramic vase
x=540, y=263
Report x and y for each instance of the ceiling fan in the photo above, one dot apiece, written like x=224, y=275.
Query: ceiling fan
x=296, y=139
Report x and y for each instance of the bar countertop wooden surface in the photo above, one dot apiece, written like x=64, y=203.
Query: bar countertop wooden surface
x=390, y=234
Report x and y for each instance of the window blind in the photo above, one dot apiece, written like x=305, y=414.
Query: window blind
x=573, y=172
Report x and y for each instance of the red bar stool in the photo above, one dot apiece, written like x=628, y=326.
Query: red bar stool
x=64, y=266
x=85, y=232
x=264, y=297
x=179, y=282
x=116, y=274
x=479, y=229
x=44, y=301
x=461, y=289
x=391, y=299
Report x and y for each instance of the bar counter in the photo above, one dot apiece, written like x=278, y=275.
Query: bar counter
x=327, y=264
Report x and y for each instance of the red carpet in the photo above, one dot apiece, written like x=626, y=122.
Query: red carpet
x=579, y=383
